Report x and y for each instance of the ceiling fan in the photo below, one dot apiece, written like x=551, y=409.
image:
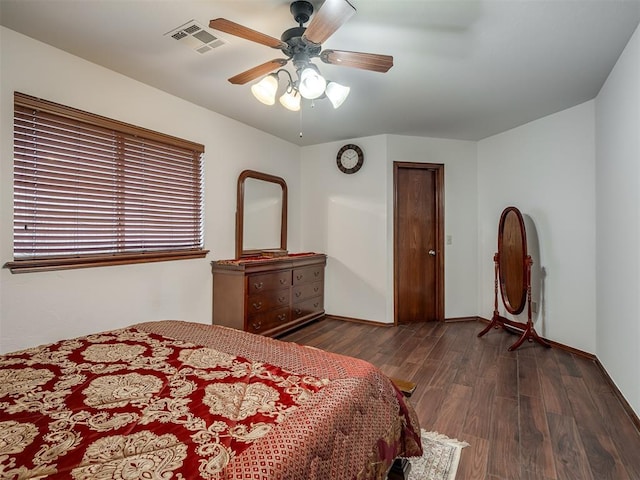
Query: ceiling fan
x=301, y=44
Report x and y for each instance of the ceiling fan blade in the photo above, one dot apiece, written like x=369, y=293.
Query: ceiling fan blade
x=238, y=30
x=258, y=71
x=330, y=17
x=365, y=61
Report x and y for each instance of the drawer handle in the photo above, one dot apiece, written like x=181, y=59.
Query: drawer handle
x=299, y=276
x=282, y=317
x=315, y=305
x=257, y=305
x=298, y=293
x=316, y=273
x=298, y=311
x=256, y=325
x=258, y=286
x=283, y=281
x=282, y=299
x=315, y=289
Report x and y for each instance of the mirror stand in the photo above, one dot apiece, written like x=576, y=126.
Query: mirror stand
x=512, y=269
x=497, y=321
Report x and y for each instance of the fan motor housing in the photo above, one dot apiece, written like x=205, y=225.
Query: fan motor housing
x=301, y=11
x=293, y=38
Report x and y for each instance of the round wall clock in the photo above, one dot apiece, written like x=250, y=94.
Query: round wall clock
x=350, y=158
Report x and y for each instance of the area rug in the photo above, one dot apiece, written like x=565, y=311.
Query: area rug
x=439, y=460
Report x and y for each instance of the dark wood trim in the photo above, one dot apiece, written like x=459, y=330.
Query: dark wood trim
x=462, y=319
x=625, y=405
x=569, y=349
x=358, y=320
x=50, y=264
x=439, y=170
x=385, y=324
x=589, y=356
x=87, y=117
x=576, y=428
x=240, y=252
x=561, y=346
x=581, y=353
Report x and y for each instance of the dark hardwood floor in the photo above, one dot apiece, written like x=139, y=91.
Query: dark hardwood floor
x=535, y=413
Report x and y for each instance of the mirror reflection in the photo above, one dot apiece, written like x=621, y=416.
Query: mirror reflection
x=262, y=214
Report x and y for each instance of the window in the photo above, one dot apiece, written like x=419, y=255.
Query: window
x=92, y=191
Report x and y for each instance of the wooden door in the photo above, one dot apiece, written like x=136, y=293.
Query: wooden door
x=418, y=242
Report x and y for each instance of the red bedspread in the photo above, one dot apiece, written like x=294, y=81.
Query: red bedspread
x=182, y=400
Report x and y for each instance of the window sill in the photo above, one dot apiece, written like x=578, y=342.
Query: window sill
x=67, y=263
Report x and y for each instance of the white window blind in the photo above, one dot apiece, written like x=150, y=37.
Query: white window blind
x=89, y=187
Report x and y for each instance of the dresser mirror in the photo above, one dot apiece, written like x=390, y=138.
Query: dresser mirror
x=261, y=216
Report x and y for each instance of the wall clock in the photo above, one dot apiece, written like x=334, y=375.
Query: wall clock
x=350, y=158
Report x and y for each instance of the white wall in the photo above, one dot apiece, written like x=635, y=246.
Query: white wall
x=460, y=213
x=618, y=223
x=350, y=218
x=547, y=169
x=41, y=307
x=345, y=216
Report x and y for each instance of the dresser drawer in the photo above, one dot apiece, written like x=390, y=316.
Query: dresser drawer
x=262, y=302
x=314, y=273
x=266, y=321
x=306, y=290
x=268, y=296
x=302, y=309
x=269, y=281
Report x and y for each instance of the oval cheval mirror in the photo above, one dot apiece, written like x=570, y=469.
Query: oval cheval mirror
x=512, y=258
x=513, y=274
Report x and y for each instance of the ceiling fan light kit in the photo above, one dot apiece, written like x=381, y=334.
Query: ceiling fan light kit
x=291, y=100
x=311, y=84
x=265, y=90
x=301, y=44
x=336, y=93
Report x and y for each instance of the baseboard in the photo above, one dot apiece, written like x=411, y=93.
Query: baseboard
x=461, y=319
x=358, y=320
x=560, y=346
x=384, y=324
x=625, y=405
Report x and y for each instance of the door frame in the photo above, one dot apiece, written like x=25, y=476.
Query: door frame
x=439, y=234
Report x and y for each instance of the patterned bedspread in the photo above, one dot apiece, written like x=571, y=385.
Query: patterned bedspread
x=180, y=400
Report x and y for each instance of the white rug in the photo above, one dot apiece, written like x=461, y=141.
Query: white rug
x=439, y=460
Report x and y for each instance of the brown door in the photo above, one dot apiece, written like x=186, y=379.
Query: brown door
x=418, y=242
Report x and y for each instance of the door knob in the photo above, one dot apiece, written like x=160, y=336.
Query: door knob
x=432, y=253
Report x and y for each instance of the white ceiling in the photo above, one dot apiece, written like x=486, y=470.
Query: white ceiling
x=462, y=69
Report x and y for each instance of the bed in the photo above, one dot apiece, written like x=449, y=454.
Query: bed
x=182, y=400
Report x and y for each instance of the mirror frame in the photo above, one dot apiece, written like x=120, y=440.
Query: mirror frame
x=512, y=260
x=240, y=252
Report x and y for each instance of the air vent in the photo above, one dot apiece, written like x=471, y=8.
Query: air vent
x=196, y=37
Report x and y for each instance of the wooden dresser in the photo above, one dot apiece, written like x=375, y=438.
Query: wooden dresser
x=268, y=296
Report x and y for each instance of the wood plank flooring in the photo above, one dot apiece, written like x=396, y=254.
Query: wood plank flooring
x=535, y=413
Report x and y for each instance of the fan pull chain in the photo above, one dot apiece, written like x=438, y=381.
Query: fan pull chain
x=300, y=124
